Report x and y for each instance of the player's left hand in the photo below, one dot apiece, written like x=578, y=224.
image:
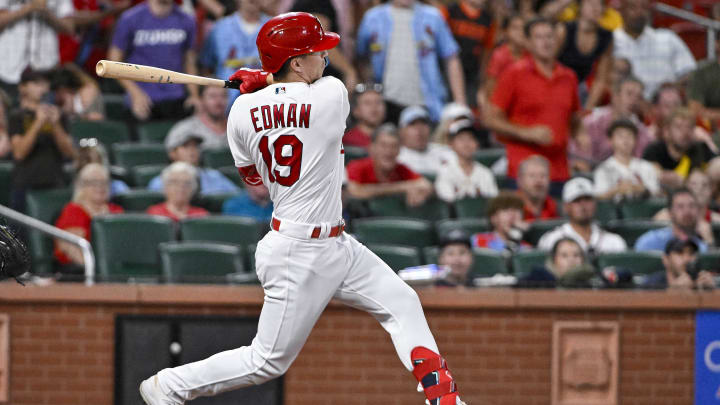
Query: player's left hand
x=251, y=79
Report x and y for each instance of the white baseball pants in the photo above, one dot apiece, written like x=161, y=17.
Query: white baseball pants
x=300, y=275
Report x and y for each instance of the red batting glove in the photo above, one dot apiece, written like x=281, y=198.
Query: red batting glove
x=250, y=79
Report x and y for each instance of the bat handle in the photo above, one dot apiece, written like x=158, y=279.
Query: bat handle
x=232, y=85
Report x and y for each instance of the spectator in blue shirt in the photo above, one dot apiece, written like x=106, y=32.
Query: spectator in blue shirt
x=253, y=203
x=684, y=220
x=231, y=43
x=404, y=40
x=185, y=147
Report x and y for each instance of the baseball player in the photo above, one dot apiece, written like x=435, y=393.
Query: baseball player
x=288, y=135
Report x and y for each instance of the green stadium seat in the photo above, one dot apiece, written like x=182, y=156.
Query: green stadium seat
x=606, y=211
x=6, y=169
x=631, y=230
x=642, y=209
x=141, y=175
x=217, y=158
x=46, y=206
x=222, y=228
x=125, y=246
x=716, y=231
x=354, y=152
x=128, y=155
x=106, y=132
x=637, y=262
x=431, y=254
x=394, y=206
x=487, y=157
x=231, y=172
x=487, y=263
x=250, y=256
x=469, y=225
x=214, y=202
x=538, y=228
x=523, y=262
x=138, y=200
x=709, y=261
x=115, y=106
x=155, y=131
x=471, y=207
x=201, y=262
x=395, y=231
x=397, y=257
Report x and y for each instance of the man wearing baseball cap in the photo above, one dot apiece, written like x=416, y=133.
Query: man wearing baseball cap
x=579, y=205
x=417, y=152
x=185, y=147
x=679, y=273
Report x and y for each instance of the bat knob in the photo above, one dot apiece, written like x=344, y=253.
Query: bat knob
x=100, y=68
x=232, y=84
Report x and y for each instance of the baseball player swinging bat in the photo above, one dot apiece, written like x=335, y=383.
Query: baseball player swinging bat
x=142, y=73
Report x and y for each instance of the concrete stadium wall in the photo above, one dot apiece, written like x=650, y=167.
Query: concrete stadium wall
x=497, y=342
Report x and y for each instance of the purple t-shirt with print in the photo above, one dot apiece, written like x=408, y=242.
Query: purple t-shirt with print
x=162, y=42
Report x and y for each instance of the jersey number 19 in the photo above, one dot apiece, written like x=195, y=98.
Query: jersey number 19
x=293, y=161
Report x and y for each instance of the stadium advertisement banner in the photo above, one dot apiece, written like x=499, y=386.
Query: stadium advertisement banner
x=707, y=358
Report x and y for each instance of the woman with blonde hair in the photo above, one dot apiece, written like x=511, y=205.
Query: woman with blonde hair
x=91, y=197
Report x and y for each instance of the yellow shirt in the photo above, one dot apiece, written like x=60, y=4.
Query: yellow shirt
x=610, y=20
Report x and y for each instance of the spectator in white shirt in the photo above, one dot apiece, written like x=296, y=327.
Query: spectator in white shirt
x=579, y=205
x=417, y=152
x=622, y=175
x=463, y=177
x=656, y=55
x=28, y=37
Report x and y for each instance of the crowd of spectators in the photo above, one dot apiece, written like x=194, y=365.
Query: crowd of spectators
x=587, y=103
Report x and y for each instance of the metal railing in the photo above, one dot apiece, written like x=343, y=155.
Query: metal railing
x=87, y=252
x=711, y=25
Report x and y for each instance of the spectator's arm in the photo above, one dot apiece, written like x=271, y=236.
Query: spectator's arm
x=72, y=251
x=456, y=79
x=602, y=79
x=23, y=144
x=62, y=139
x=8, y=17
x=350, y=76
x=496, y=120
x=444, y=187
x=82, y=18
x=140, y=102
x=553, y=9
x=65, y=25
x=367, y=191
x=191, y=68
x=215, y=8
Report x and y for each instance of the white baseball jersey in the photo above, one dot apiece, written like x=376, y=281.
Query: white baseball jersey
x=292, y=133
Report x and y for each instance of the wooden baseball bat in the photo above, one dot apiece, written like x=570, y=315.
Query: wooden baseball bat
x=141, y=73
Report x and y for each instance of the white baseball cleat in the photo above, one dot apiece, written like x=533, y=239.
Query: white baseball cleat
x=152, y=394
x=457, y=402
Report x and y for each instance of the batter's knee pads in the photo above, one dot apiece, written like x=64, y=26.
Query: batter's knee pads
x=431, y=371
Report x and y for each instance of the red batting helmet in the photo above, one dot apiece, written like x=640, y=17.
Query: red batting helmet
x=291, y=34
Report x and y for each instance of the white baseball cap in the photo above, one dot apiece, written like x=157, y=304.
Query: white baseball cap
x=576, y=188
x=411, y=114
x=453, y=111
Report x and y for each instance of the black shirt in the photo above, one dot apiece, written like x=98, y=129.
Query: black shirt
x=43, y=166
x=582, y=63
x=474, y=35
x=695, y=157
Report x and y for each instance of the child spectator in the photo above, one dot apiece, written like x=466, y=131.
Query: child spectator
x=368, y=111
x=417, y=152
x=505, y=214
x=623, y=176
x=463, y=177
x=455, y=253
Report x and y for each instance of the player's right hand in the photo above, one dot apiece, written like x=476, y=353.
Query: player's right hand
x=251, y=79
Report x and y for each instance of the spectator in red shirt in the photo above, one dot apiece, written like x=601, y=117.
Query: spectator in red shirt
x=179, y=185
x=533, y=187
x=381, y=174
x=508, y=53
x=534, y=105
x=368, y=112
x=90, y=198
